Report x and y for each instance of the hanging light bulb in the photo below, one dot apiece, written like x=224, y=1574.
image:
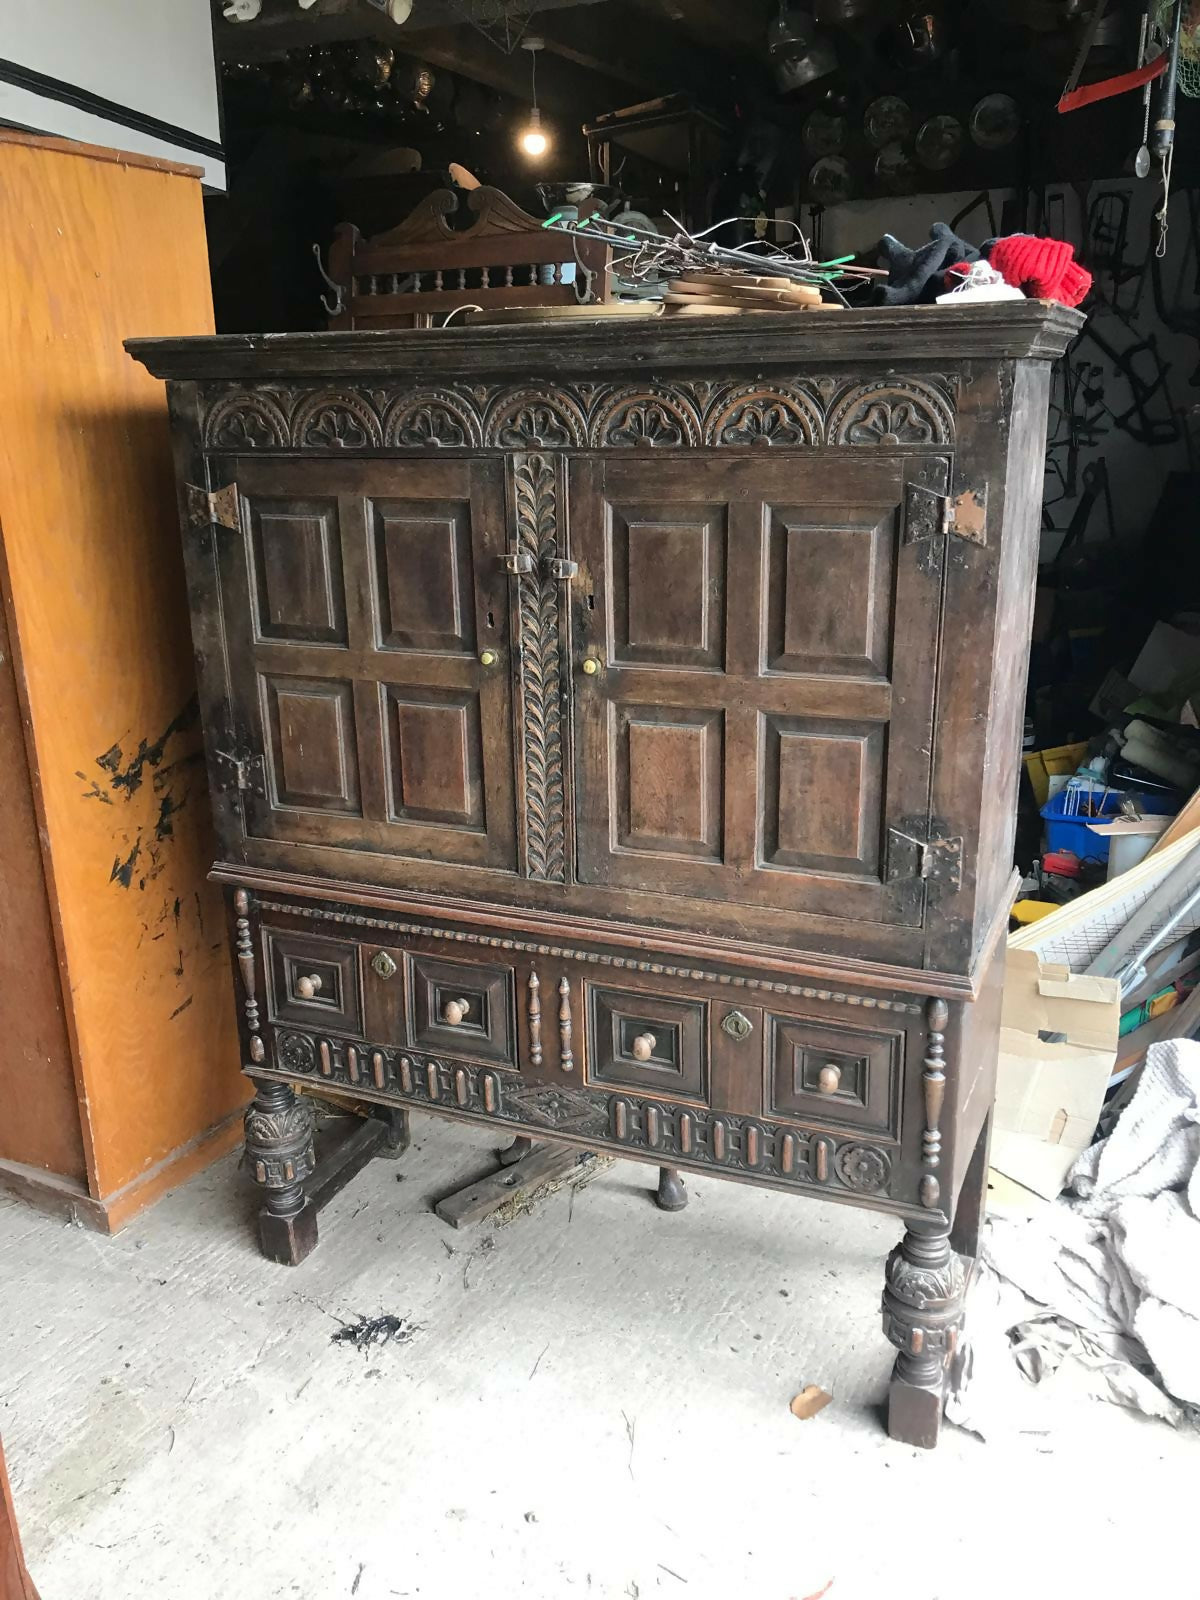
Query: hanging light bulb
x=533, y=140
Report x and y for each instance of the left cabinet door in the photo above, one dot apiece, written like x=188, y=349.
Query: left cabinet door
x=366, y=625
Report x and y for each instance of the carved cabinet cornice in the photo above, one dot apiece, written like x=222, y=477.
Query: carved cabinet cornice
x=613, y=736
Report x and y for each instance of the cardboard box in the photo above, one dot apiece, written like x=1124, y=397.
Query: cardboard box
x=1058, y=1046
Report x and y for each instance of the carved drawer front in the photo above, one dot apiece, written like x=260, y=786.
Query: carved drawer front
x=647, y=1042
x=314, y=981
x=460, y=1008
x=823, y=1073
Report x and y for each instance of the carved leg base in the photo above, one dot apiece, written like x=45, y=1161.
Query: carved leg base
x=279, y=1152
x=672, y=1193
x=922, y=1316
x=516, y=1151
x=288, y=1238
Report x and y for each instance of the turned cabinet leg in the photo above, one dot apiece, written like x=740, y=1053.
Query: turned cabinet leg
x=396, y=1137
x=922, y=1316
x=672, y=1194
x=971, y=1210
x=279, y=1150
x=516, y=1151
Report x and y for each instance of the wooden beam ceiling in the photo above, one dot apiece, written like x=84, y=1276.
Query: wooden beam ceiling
x=726, y=24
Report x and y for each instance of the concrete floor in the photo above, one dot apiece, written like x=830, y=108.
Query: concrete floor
x=596, y=1404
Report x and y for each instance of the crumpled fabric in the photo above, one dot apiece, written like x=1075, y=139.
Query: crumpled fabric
x=1106, y=1281
x=918, y=276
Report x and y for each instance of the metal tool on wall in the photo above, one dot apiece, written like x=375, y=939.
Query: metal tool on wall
x=1162, y=138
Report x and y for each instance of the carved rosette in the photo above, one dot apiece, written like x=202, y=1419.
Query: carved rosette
x=296, y=1053
x=661, y=414
x=903, y=412
x=535, y=495
x=922, y=1304
x=762, y=416
x=862, y=1167
x=659, y=418
x=439, y=419
x=279, y=1137
x=535, y=419
x=341, y=421
x=247, y=422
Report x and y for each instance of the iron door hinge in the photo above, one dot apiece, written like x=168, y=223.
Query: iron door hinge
x=931, y=515
x=221, y=506
x=931, y=860
x=245, y=772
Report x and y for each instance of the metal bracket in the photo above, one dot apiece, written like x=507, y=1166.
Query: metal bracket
x=516, y=562
x=247, y=771
x=931, y=515
x=932, y=860
x=557, y=567
x=221, y=506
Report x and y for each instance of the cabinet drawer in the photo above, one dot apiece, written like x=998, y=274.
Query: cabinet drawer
x=818, y=1071
x=649, y=1042
x=462, y=1008
x=313, y=981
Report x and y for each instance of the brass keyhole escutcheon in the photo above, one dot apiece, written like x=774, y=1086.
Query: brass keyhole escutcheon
x=455, y=1011
x=308, y=987
x=382, y=965
x=590, y=666
x=643, y=1046
x=738, y=1025
x=487, y=658
x=829, y=1078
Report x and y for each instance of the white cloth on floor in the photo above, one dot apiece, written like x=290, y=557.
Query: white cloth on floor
x=1108, y=1277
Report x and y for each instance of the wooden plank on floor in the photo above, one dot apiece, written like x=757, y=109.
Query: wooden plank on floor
x=547, y=1166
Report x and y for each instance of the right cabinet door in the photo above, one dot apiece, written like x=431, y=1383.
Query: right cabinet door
x=759, y=714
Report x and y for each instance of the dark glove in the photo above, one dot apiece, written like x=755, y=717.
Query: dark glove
x=916, y=276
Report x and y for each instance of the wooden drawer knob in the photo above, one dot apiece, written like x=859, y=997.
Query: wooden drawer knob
x=309, y=986
x=454, y=1011
x=829, y=1077
x=591, y=666
x=643, y=1046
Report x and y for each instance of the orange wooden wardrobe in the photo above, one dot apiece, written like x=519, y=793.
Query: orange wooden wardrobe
x=118, y=1056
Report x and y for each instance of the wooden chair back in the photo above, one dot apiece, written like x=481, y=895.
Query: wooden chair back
x=416, y=273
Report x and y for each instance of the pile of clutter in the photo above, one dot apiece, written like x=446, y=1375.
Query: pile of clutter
x=949, y=270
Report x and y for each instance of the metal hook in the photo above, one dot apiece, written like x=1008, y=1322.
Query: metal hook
x=339, y=292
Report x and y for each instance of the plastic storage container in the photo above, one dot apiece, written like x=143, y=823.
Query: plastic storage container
x=1067, y=832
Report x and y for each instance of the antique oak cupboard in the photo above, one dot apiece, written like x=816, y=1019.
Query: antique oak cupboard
x=614, y=738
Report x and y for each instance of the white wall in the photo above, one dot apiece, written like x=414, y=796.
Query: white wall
x=153, y=57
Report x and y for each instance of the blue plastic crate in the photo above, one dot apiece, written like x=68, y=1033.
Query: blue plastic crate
x=1064, y=832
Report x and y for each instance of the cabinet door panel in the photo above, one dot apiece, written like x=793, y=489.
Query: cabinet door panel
x=766, y=637
x=357, y=599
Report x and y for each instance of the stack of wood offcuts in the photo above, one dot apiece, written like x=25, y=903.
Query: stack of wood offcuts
x=706, y=294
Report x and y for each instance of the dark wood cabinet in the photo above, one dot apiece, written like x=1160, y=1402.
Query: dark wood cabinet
x=617, y=741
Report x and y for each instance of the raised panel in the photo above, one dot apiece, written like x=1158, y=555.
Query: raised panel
x=330, y=967
x=423, y=575
x=668, y=584
x=296, y=571
x=819, y=1071
x=647, y=1042
x=829, y=589
x=312, y=756
x=822, y=795
x=668, y=764
x=461, y=1008
x=433, y=756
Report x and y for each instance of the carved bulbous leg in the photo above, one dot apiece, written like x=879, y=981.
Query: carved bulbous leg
x=514, y=1152
x=922, y=1316
x=672, y=1195
x=279, y=1151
